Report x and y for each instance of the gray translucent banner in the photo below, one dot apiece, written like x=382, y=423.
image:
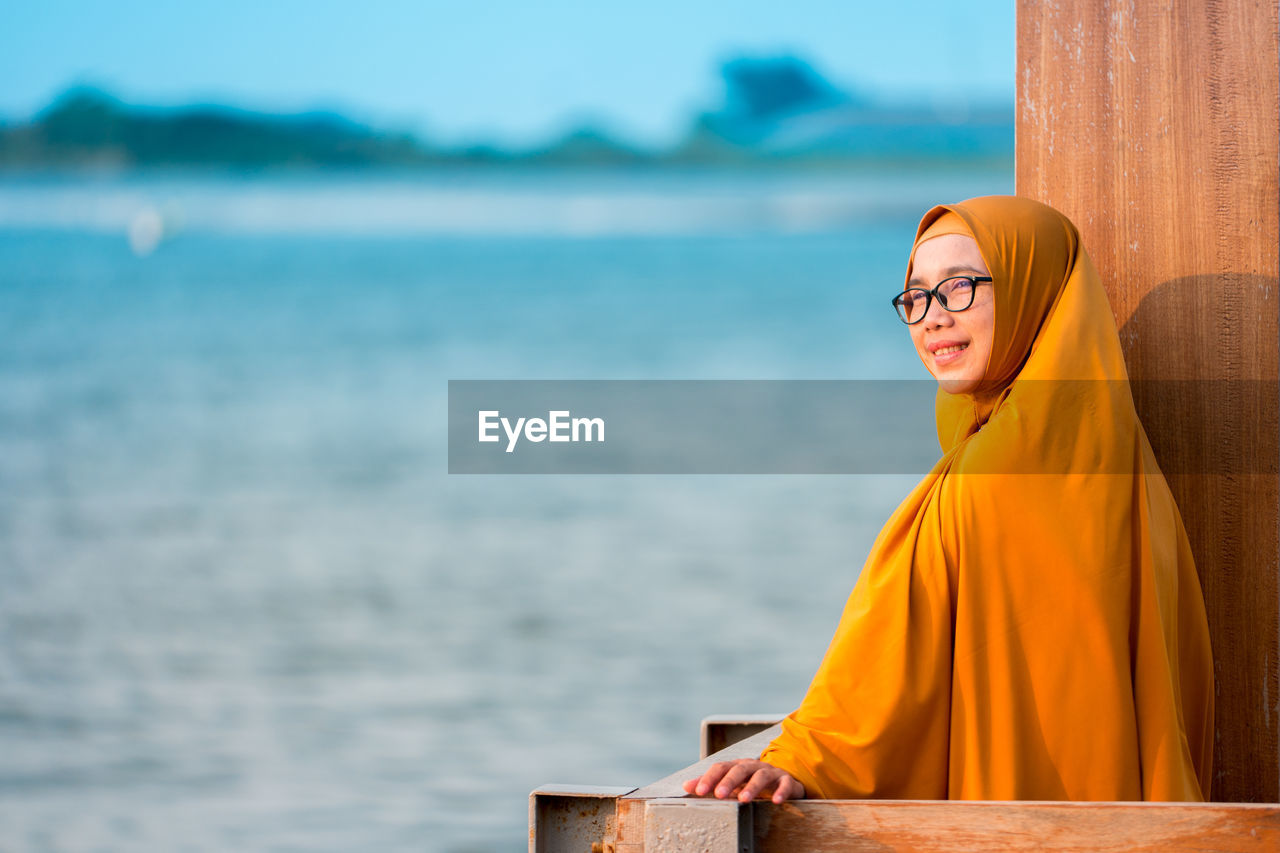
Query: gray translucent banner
x=837, y=427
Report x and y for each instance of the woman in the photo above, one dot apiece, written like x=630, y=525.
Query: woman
x=1029, y=623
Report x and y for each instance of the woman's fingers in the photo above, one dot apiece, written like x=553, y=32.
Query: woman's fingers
x=760, y=780
x=705, y=783
x=747, y=779
x=789, y=788
x=735, y=776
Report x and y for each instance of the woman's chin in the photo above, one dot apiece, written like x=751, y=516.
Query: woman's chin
x=957, y=384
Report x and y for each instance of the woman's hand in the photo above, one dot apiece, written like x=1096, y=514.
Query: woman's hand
x=746, y=778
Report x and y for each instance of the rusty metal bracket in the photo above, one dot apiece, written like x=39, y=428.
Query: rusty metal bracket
x=573, y=818
x=724, y=730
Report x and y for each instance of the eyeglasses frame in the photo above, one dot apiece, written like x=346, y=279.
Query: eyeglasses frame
x=932, y=293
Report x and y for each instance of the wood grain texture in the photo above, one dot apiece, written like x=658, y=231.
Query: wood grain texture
x=831, y=825
x=1155, y=126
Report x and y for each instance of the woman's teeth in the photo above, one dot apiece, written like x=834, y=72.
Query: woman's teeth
x=946, y=350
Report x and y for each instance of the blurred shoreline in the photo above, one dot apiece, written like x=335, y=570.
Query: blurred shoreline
x=777, y=114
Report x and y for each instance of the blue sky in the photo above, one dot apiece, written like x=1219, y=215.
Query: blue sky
x=504, y=70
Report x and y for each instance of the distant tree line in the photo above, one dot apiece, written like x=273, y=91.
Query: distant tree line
x=776, y=111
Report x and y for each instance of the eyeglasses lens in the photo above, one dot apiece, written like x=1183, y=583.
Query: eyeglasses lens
x=956, y=293
x=912, y=304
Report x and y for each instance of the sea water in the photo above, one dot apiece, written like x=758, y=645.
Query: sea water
x=242, y=604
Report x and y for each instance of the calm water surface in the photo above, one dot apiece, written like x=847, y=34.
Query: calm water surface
x=244, y=607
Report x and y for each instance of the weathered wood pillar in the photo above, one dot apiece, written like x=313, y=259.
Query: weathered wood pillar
x=1156, y=127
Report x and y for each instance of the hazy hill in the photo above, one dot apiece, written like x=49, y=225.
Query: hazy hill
x=776, y=110
x=90, y=127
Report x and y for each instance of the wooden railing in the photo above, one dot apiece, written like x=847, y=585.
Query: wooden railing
x=661, y=818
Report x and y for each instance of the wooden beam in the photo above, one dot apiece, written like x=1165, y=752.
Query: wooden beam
x=923, y=825
x=1156, y=127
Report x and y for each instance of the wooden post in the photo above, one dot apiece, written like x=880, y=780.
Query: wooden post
x=1156, y=127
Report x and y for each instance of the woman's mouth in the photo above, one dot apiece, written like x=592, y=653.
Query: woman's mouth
x=948, y=354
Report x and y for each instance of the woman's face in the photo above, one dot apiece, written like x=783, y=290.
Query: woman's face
x=954, y=345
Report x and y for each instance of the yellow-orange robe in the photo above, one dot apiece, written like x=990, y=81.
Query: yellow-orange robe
x=1029, y=623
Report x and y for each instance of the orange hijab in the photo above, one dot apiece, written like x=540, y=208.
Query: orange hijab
x=1029, y=623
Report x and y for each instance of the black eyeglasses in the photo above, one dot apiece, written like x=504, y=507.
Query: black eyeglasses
x=953, y=294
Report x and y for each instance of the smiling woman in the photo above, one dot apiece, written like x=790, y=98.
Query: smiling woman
x=1029, y=623
x=952, y=323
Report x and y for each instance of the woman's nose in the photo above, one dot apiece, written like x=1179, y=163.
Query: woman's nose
x=936, y=315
